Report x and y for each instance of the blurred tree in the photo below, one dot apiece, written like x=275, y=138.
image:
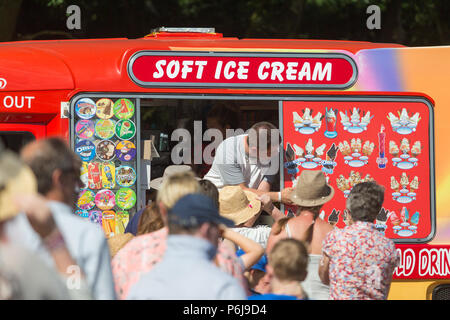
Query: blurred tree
x=410, y=22
x=9, y=10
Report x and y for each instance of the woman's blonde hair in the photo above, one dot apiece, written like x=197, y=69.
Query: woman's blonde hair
x=289, y=260
x=176, y=186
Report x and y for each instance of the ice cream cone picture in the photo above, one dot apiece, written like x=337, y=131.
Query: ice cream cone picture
x=345, y=185
x=403, y=124
x=406, y=225
x=405, y=157
x=381, y=219
x=322, y=215
x=307, y=124
x=356, y=121
x=329, y=164
x=395, y=221
x=290, y=164
x=309, y=158
x=334, y=217
x=405, y=191
x=357, y=153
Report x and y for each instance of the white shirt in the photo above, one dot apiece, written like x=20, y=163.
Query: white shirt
x=232, y=166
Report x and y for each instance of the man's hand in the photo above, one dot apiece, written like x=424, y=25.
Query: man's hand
x=266, y=202
x=38, y=213
x=286, y=196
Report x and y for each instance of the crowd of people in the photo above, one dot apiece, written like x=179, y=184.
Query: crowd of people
x=199, y=238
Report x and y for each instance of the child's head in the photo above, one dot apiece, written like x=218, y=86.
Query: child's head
x=288, y=260
x=208, y=189
x=256, y=275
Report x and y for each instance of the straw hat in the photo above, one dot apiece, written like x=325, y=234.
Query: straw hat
x=312, y=189
x=15, y=179
x=170, y=170
x=238, y=205
x=117, y=242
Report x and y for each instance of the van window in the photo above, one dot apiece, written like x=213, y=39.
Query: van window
x=15, y=141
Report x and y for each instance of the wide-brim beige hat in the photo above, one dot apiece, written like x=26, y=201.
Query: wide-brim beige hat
x=170, y=170
x=238, y=205
x=312, y=189
x=15, y=179
x=117, y=242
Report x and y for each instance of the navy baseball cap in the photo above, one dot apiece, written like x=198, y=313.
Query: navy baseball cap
x=195, y=209
x=260, y=265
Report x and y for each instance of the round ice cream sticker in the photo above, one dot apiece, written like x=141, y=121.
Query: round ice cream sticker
x=85, y=108
x=86, y=199
x=84, y=129
x=125, y=198
x=125, y=129
x=125, y=150
x=125, y=176
x=85, y=149
x=105, y=150
x=82, y=213
x=105, y=108
x=123, y=109
x=105, y=199
x=104, y=129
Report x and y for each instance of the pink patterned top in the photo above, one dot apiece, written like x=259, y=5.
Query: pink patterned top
x=362, y=261
x=141, y=253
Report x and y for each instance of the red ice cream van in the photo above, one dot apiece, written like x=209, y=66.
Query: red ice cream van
x=358, y=111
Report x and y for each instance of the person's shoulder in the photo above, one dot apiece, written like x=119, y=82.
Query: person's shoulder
x=72, y=225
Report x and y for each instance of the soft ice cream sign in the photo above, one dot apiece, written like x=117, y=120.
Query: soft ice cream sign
x=242, y=70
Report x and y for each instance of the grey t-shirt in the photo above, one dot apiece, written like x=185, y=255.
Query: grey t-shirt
x=23, y=276
x=232, y=166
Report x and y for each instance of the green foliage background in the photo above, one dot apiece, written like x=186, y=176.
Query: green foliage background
x=409, y=22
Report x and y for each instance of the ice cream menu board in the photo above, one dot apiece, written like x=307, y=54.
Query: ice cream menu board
x=105, y=140
x=353, y=141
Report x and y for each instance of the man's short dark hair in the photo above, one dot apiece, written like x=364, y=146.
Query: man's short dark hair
x=365, y=201
x=54, y=154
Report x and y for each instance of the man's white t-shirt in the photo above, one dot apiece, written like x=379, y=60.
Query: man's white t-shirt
x=232, y=166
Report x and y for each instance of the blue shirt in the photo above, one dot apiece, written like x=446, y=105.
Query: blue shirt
x=85, y=241
x=272, y=296
x=186, y=272
x=132, y=226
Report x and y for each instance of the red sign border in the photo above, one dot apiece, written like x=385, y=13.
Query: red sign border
x=225, y=85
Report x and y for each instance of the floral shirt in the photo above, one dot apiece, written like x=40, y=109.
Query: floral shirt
x=141, y=253
x=362, y=261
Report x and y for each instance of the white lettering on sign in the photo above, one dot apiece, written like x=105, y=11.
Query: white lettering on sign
x=200, y=65
x=18, y=102
x=3, y=83
x=174, y=66
x=160, y=72
x=406, y=264
x=434, y=262
x=232, y=70
x=423, y=263
x=318, y=71
x=242, y=71
x=262, y=75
